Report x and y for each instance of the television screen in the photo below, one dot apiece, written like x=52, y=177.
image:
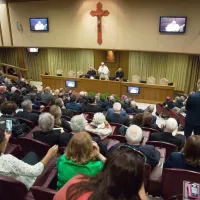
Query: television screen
x=173, y=24
x=70, y=84
x=133, y=90
x=33, y=50
x=39, y=24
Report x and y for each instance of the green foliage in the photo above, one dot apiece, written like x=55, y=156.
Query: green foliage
x=104, y=95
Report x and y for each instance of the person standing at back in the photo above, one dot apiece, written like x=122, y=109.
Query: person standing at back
x=192, y=120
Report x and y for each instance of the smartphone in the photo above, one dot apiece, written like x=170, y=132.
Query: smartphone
x=9, y=124
x=193, y=191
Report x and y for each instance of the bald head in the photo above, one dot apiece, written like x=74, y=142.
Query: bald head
x=117, y=107
x=134, y=135
x=133, y=104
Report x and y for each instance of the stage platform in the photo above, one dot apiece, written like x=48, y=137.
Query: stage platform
x=148, y=93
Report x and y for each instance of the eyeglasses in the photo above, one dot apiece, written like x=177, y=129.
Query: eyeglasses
x=139, y=152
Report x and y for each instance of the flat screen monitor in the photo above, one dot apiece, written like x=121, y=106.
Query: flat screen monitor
x=172, y=24
x=39, y=24
x=33, y=50
x=70, y=84
x=133, y=90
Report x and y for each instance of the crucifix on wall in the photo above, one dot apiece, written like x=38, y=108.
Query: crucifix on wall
x=99, y=13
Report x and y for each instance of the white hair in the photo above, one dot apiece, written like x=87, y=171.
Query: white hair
x=59, y=102
x=171, y=125
x=26, y=105
x=133, y=104
x=78, y=123
x=46, y=122
x=134, y=134
x=82, y=93
x=102, y=63
x=13, y=89
x=117, y=106
x=150, y=109
x=98, y=118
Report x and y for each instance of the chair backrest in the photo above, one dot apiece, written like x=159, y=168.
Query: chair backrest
x=11, y=189
x=29, y=123
x=71, y=74
x=164, y=81
x=151, y=80
x=169, y=147
x=117, y=127
x=159, y=108
x=173, y=114
x=172, y=183
x=40, y=193
x=181, y=120
x=147, y=172
x=14, y=150
x=90, y=115
x=36, y=146
x=120, y=138
x=146, y=135
x=136, y=79
x=151, y=130
x=79, y=73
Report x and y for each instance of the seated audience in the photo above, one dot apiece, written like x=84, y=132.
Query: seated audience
x=99, y=126
x=67, y=112
x=166, y=136
x=134, y=108
x=83, y=98
x=93, y=106
x=73, y=105
x=126, y=102
x=148, y=122
x=26, y=170
x=168, y=103
x=150, y=109
x=189, y=157
x=52, y=100
x=117, y=115
x=138, y=120
x=46, y=133
x=120, y=179
x=178, y=102
x=61, y=122
x=81, y=157
x=119, y=74
x=27, y=112
x=46, y=95
x=8, y=109
x=134, y=137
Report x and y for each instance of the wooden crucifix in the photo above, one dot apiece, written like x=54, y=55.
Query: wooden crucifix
x=99, y=13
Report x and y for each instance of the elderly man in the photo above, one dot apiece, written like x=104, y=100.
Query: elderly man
x=117, y=115
x=46, y=95
x=192, y=122
x=103, y=71
x=67, y=112
x=73, y=105
x=27, y=112
x=134, y=108
x=91, y=72
x=167, y=136
x=134, y=137
x=150, y=109
x=119, y=74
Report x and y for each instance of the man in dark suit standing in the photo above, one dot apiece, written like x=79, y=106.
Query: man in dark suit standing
x=192, y=120
x=119, y=74
x=166, y=136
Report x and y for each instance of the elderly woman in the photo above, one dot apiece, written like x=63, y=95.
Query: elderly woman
x=46, y=133
x=81, y=157
x=67, y=112
x=99, y=126
x=189, y=158
x=56, y=112
x=26, y=170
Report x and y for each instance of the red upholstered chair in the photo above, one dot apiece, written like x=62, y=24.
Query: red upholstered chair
x=36, y=146
x=147, y=172
x=155, y=180
x=11, y=189
x=172, y=183
x=48, y=188
x=46, y=109
x=151, y=130
x=120, y=138
x=66, y=117
x=173, y=114
x=14, y=150
x=117, y=127
x=169, y=147
x=29, y=123
x=182, y=120
x=146, y=135
x=159, y=108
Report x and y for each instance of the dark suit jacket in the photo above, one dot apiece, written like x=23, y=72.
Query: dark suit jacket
x=177, y=160
x=92, y=72
x=193, y=109
x=119, y=75
x=121, y=118
x=177, y=140
x=67, y=112
x=152, y=155
x=134, y=110
x=27, y=115
x=94, y=108
x=74, y=106
x=49, y=137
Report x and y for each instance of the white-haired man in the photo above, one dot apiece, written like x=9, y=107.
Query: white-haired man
x=117, y=115
x=134, y=108
x=134, y=137
x=46, y=95
x=166, y=136
x=103, y=71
